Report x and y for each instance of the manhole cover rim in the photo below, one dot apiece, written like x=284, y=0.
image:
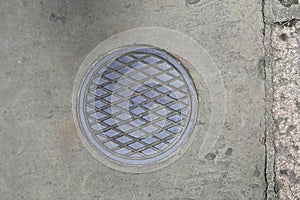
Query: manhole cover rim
x=186, y=134
x=166, y=160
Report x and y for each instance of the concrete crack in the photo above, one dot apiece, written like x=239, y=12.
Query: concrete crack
x=269, y=140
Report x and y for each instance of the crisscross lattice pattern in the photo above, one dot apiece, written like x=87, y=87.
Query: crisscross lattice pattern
x=137, y=105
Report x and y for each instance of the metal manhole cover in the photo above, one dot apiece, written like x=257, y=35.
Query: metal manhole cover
x=136, y=106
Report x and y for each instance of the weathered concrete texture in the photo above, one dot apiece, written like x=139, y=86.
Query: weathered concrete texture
x=43, y=44
x=286, y=107
x=289, y=3
x=274, y=13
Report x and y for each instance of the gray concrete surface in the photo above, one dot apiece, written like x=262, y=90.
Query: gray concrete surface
x=288, y=3
x=43, y=44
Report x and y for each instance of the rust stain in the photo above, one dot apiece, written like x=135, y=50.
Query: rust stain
x=189, y=69
x=66, y=133
x=66, y=142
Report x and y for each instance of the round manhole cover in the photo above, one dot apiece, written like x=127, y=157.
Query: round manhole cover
x=136, y=107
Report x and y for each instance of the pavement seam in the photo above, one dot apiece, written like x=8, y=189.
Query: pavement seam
x=269, y=123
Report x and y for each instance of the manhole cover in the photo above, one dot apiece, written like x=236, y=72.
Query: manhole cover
x=136, y=106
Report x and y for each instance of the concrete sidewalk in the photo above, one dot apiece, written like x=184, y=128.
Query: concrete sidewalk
x=43, y=45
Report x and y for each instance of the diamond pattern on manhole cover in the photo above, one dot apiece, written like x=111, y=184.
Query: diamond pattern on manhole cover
x=137, y=106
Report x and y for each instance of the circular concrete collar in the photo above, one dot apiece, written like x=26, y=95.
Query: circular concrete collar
x=134, y=103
